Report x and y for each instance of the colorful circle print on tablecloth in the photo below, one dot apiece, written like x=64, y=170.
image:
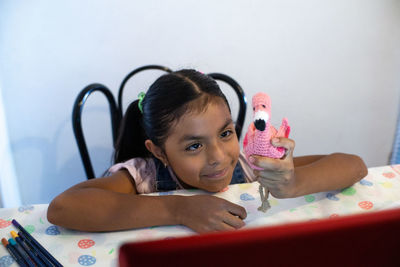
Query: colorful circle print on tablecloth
x=309, y=198
x=25, y=208
x=332, y=196
x=387, y=185
x=4, y=223
x=30, y=228
x=246, y=197
x=244, y=186
x=6, y=261
x=349, y=191
x=86, y=260
x=85, y=243
x=366, y=205
x=52, y=230
x=389, y=175
x=366, y=182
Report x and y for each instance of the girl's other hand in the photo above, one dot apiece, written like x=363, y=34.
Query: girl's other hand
x=204, y=213
x=277, y=174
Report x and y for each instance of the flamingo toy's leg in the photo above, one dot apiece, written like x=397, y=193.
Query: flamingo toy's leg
x=264, y=194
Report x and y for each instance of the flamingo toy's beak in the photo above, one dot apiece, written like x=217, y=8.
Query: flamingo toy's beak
x=260, y=120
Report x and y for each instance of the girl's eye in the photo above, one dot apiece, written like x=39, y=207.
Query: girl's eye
x=227, y=133
x=193, y=147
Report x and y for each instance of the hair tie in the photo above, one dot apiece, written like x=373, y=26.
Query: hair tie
x=141, y=97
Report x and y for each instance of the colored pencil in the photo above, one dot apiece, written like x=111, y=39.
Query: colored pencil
x=13, y=253
x=17, y=251
x=36, y=243
x=21, y=252
x=37, y=252
x=30, y=253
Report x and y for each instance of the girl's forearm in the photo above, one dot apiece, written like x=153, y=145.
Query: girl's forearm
x=305, y=160
x=331, y=172
x=93, y=209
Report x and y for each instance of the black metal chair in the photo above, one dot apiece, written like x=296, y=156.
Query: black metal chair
x=116, y=110
x=241, y=97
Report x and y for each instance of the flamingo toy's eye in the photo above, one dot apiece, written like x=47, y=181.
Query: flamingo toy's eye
x=263, y=106
x=254, y=109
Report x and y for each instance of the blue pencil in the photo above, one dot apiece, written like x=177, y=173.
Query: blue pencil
x=36, y=244
x=20, y=252
x=37, y=252
x=13, y=253
x=31, y=255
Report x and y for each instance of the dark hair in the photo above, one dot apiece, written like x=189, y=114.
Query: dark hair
x=167, y=99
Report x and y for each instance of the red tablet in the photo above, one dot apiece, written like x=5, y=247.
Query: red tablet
x=367, y=239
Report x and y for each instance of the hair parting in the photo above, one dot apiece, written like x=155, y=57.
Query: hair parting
x=170, y=97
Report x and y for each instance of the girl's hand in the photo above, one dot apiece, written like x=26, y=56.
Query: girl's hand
x=277, y=174
x=204, y=213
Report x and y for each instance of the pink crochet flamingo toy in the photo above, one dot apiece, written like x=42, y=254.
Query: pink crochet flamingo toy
x=258, y=138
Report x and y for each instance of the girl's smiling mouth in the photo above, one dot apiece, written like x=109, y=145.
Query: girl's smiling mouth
x=217, y=174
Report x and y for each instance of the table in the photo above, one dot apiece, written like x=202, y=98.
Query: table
x=379, y=190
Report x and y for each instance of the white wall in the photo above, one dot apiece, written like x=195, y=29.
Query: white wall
x=9, y=188
x=332, y=67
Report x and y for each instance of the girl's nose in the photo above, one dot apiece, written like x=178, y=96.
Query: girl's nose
x=216, y=154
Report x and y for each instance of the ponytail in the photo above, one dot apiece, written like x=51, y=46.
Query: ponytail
x=131, y=138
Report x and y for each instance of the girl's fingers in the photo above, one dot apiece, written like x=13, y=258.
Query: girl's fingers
x=237, y=210
x=269, y=176
x=267, y=184
x=270, y=185
x=234, y=222
x=286, y=143
x=275, y=164
x=266, y=163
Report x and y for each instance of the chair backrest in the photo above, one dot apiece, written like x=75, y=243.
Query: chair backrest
x=130, y=75
x=241, y=97
x=77, y=122
x=116, y=110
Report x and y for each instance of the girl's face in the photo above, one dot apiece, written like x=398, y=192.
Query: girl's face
x=203, y=148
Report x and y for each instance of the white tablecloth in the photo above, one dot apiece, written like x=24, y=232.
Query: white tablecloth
x=380, y=189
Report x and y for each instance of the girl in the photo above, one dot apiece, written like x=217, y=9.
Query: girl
x=181, y=135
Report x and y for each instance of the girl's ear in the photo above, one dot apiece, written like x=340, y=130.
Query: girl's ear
x=156, y=151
